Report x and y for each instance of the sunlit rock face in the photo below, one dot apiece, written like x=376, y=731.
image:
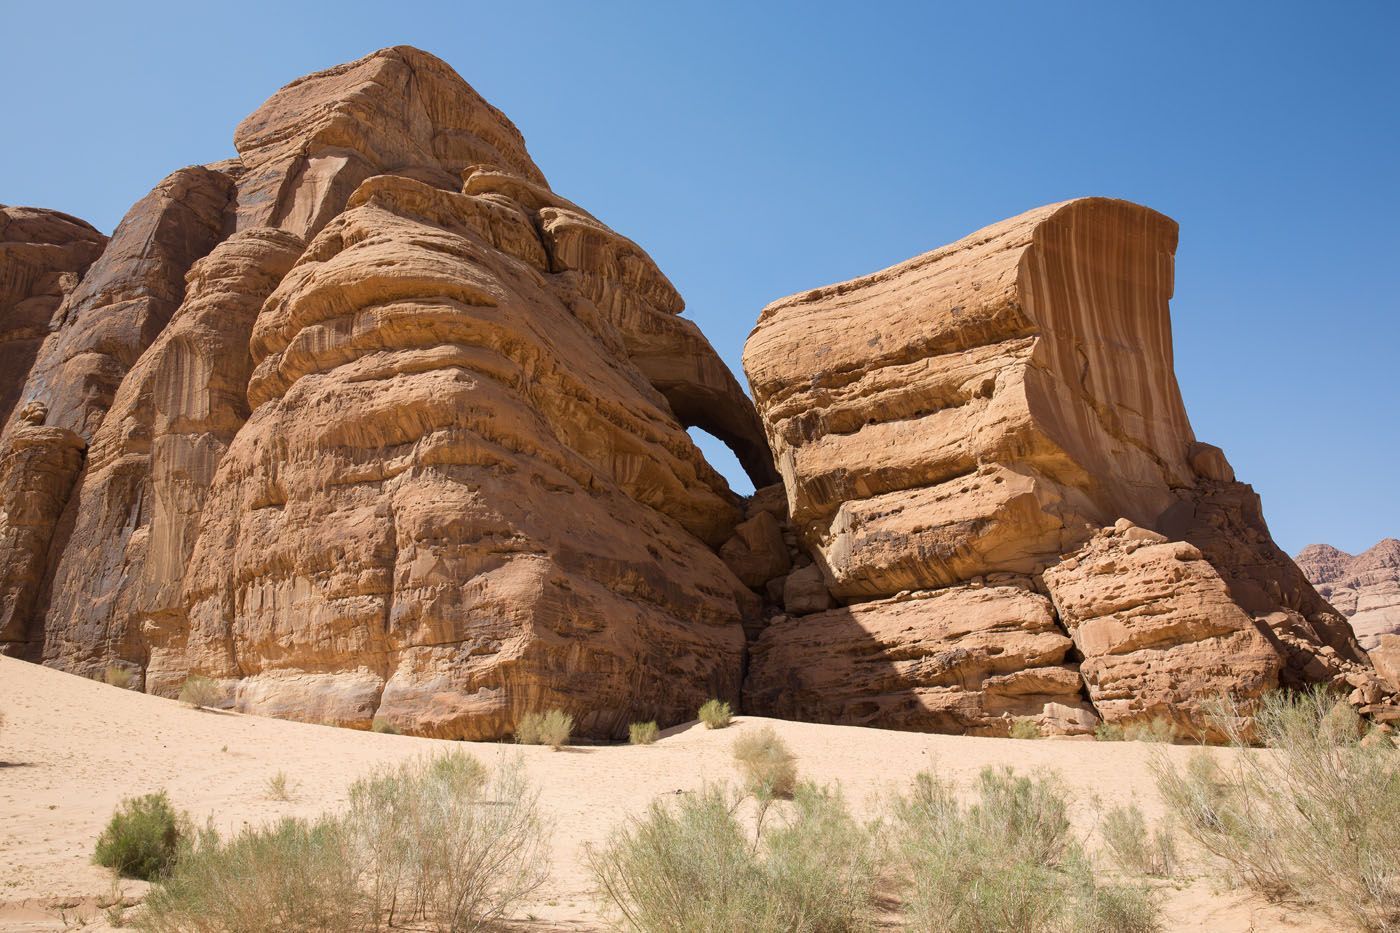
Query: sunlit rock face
x=975, y=416
x=409, y=444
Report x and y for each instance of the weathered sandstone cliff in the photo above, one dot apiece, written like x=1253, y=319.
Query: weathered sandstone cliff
x=959, y=428
x=1364, y=588
x=377, y=425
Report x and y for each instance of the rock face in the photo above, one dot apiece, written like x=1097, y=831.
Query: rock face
x=979, y=413
x=379, y=426
x=42, y=255
x=1364, y=588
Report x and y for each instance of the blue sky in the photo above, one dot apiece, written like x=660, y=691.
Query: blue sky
x=759, y=149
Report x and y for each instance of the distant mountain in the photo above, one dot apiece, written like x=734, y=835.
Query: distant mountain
x=1364, y=588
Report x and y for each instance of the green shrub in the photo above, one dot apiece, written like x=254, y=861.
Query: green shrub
x=552, y=728
x=1311, y=819
x=199, y=691
x=144, y=837
x=1109, y=732
x=293, y=875
x=642, y=733
x=117, y=676
x=1004, y=862
x=716, y=714
x=693, y=868
x=277, y=787
x=1024, y=728
x=439, y=844
x=1134, y=847
x=765, y=763
x=383, y=726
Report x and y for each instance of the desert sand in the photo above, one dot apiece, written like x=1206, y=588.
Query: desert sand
x=72, y=748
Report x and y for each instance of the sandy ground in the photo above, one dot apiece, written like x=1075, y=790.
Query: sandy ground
x=71, y=749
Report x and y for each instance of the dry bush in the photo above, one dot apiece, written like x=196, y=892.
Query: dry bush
x=1005, y=862
x=144, y=837
x=694, y=868
x=1154, y=730
x=552, y=728
x=199, y=691
x=1109, y=732
x=767, y=765
x=1134, y=847
x=1024, y=728
x=383, y=726
x=716, y=714
x=118, y=676
x=293, y=875
x=277, y=787
x=1309, y=819
x=642, y=733
x=446, y=842
x=440, y=844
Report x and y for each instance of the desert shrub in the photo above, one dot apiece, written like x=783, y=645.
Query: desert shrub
x=1134, y=847
x=1023, y=728
x=1109, y=732
x=765, y=763
x=716, y=714
x=1154, y=730
x=383, y=726
x=1311, y=818
x=1004, y=862
x=277, y=787
x=117, y=676
x=144, y=837
x=199, y=691
x=694, y=868
x=293, y=875
x=439, y=844
x=642, y=733
x=552, y=728
x=447, y=842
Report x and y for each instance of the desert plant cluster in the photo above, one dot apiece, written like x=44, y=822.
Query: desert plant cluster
x=1301, y=810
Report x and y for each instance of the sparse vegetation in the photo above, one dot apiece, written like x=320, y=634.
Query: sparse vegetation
x=552, y=728
x=199, y=691
x=144, y=838
x=440, y=844
x=642, y=733
x=767, y=766
x=694, y=868
x=118, y=676
x=1004, y=862
x=1309, y=819
x=1024, y=728
x=1157, y=729
x=384, y=726
x=277, y=788
x=716, y=714
x=1134, y=847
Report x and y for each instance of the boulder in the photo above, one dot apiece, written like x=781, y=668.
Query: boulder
x=805, y=590
x=756, y=553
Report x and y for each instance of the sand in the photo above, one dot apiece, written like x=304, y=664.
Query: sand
x=71, y=749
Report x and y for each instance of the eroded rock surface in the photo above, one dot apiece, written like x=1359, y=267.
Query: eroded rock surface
x=413, y=445
x=985, y=409
x=1365, y=588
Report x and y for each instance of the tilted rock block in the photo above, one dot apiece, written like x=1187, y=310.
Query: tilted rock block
x=984, y=409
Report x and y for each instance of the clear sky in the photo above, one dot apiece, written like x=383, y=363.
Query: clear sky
x=758, y=149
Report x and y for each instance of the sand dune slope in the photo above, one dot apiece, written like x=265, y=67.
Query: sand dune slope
x=72, y=749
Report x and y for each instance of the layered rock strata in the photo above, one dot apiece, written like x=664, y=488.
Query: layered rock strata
x=979, y=414
x=379, y=426
x=1365, y=588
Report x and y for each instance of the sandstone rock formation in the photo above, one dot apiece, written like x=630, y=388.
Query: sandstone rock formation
x=378, y=426
x=977, y=414
x=42, y=255
x=1364, y=588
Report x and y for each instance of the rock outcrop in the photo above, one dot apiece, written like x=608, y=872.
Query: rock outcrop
x=979, y=413
x=1364, y=588
x=42, y=255
x=379, y=426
